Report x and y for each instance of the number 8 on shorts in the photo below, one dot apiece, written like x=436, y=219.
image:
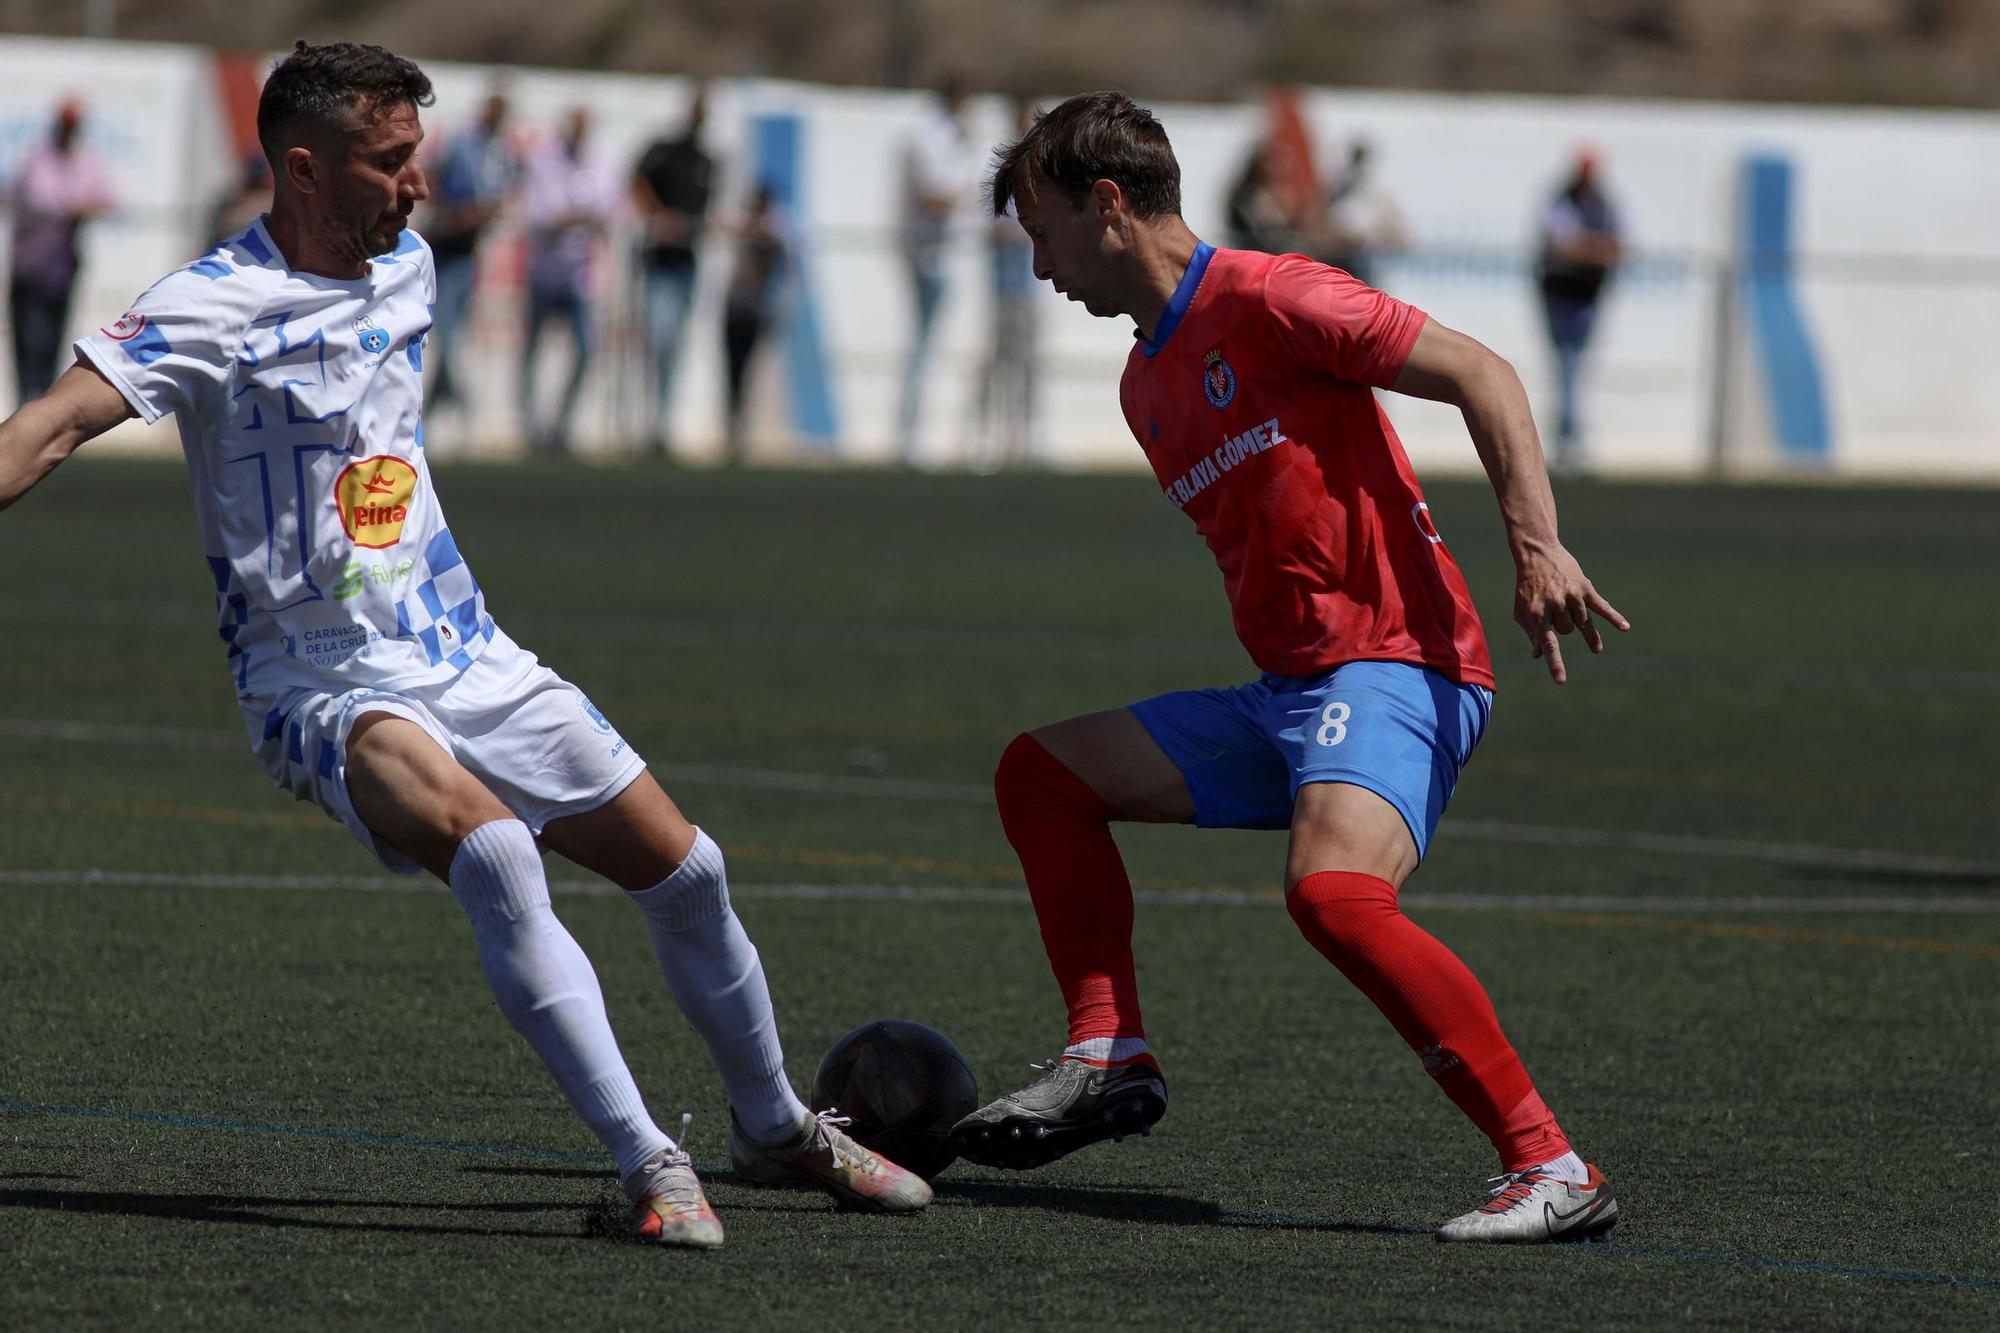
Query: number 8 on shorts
x=1333, y=723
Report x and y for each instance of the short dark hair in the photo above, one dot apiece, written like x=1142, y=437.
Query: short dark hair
x=1089, y=138
x=320, y=86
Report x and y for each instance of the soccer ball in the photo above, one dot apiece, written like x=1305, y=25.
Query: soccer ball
x=904, y=1085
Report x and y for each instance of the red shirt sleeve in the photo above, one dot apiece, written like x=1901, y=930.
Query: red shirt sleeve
x=1334, y=324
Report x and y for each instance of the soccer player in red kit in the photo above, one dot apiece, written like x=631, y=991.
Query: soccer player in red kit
x=1251, y=390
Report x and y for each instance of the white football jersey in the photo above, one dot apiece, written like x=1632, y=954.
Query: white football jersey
x=299, y=400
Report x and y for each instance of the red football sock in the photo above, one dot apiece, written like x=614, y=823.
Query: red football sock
x=1435, y=1004
x=1061, y=830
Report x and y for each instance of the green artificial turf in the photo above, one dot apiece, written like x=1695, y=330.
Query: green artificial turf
x=246, y=1079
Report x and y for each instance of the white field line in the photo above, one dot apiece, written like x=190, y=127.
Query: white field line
x=1797, y=904
x=966, y=793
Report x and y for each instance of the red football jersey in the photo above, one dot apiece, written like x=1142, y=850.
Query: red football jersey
x=1255, y=404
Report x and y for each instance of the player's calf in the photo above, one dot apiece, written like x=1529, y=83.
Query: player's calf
x=1082, y=896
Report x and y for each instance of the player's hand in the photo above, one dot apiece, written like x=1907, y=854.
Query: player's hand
x=1552, y=598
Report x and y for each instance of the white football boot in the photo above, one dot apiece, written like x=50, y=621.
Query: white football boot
x=1536, y=1205
x=822, y=1156
x=668, y=1205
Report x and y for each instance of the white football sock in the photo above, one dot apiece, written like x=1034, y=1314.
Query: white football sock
x=1108, y=1050
x=716, y=978
x=545, y=986
x=1569, y=1167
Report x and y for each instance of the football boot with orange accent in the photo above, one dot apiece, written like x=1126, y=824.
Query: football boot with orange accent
x=1537, y=1205
x=823, y=1157
x=668, y=1206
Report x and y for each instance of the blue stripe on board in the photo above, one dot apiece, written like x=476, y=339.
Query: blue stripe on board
x=1245, y=1218
x=777, y=140
x=1792, y=379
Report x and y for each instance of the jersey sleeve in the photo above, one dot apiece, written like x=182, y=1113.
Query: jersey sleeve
x=427, y=265
x=1335, y=324
x=176, y=348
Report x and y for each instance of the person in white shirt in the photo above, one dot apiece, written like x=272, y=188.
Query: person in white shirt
x=940, y=178
x=1363, y=223
x=371, y=678
x=567, y=200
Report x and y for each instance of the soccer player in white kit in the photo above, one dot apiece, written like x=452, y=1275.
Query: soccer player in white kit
x=372, y=681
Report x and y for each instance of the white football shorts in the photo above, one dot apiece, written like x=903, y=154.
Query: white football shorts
x=534, y=739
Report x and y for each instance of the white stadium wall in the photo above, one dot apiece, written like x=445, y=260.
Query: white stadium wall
x=1875, y=327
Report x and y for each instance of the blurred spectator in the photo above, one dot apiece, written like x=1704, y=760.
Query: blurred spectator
x=671, y=187
x=1362, y=220
x=940, y=166
x=751, y=304
x=62, y=185
x=471, y=187
x=1257, y=219
x=1579, y=250
x=1007, y=390
x=247, y=198
x=566, y=203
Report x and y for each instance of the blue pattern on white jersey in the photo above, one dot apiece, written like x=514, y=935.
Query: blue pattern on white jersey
x=298, y=400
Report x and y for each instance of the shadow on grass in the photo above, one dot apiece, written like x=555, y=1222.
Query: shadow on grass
x=1160, y=1209
x=709, y=1175
x=545, y=1172
x=244, y=1210
x=1942, y=877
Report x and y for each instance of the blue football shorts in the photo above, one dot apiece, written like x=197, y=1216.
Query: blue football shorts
x=1402, y=731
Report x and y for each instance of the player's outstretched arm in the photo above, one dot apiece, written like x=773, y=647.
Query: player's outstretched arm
x=1551, y=595
x=81, y=405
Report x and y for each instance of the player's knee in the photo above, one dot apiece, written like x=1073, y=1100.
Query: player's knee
x=1030, y=784
x=496, y=874
x=696, y=893
x=1340, y=910
x=1014, y=779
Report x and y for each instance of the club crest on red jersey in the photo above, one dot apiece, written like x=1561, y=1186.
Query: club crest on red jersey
x=1218, y=380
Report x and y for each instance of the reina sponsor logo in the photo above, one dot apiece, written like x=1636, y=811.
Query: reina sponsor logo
x=373, y=497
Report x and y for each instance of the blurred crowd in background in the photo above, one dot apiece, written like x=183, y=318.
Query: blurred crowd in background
x=539, y=215
x=536, y=211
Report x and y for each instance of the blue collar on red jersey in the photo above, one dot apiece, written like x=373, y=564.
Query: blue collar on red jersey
x=1177, y=307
